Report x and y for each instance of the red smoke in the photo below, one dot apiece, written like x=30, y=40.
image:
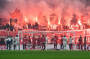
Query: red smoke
x=49, y=12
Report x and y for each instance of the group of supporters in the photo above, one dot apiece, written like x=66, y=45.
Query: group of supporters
x=82, y=45
x=64, y=42
x=42, y=41
x=35, y=41
x=16, y=42
x=11, y=42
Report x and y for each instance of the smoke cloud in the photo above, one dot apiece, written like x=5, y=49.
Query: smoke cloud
x=62, y=8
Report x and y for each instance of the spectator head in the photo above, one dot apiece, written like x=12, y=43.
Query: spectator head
x=64, y=35
x=70, y=36
x=16, y=35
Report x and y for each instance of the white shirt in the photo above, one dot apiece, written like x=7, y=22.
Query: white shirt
x=70, y=40
x=64, y=40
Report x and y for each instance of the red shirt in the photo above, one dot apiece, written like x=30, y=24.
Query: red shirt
x=34, y=41
x=24, y=40
x=55, y=39
x=43, y=40
x=61, y=40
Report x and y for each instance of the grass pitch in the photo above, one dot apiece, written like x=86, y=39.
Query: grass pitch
x=50, y=54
